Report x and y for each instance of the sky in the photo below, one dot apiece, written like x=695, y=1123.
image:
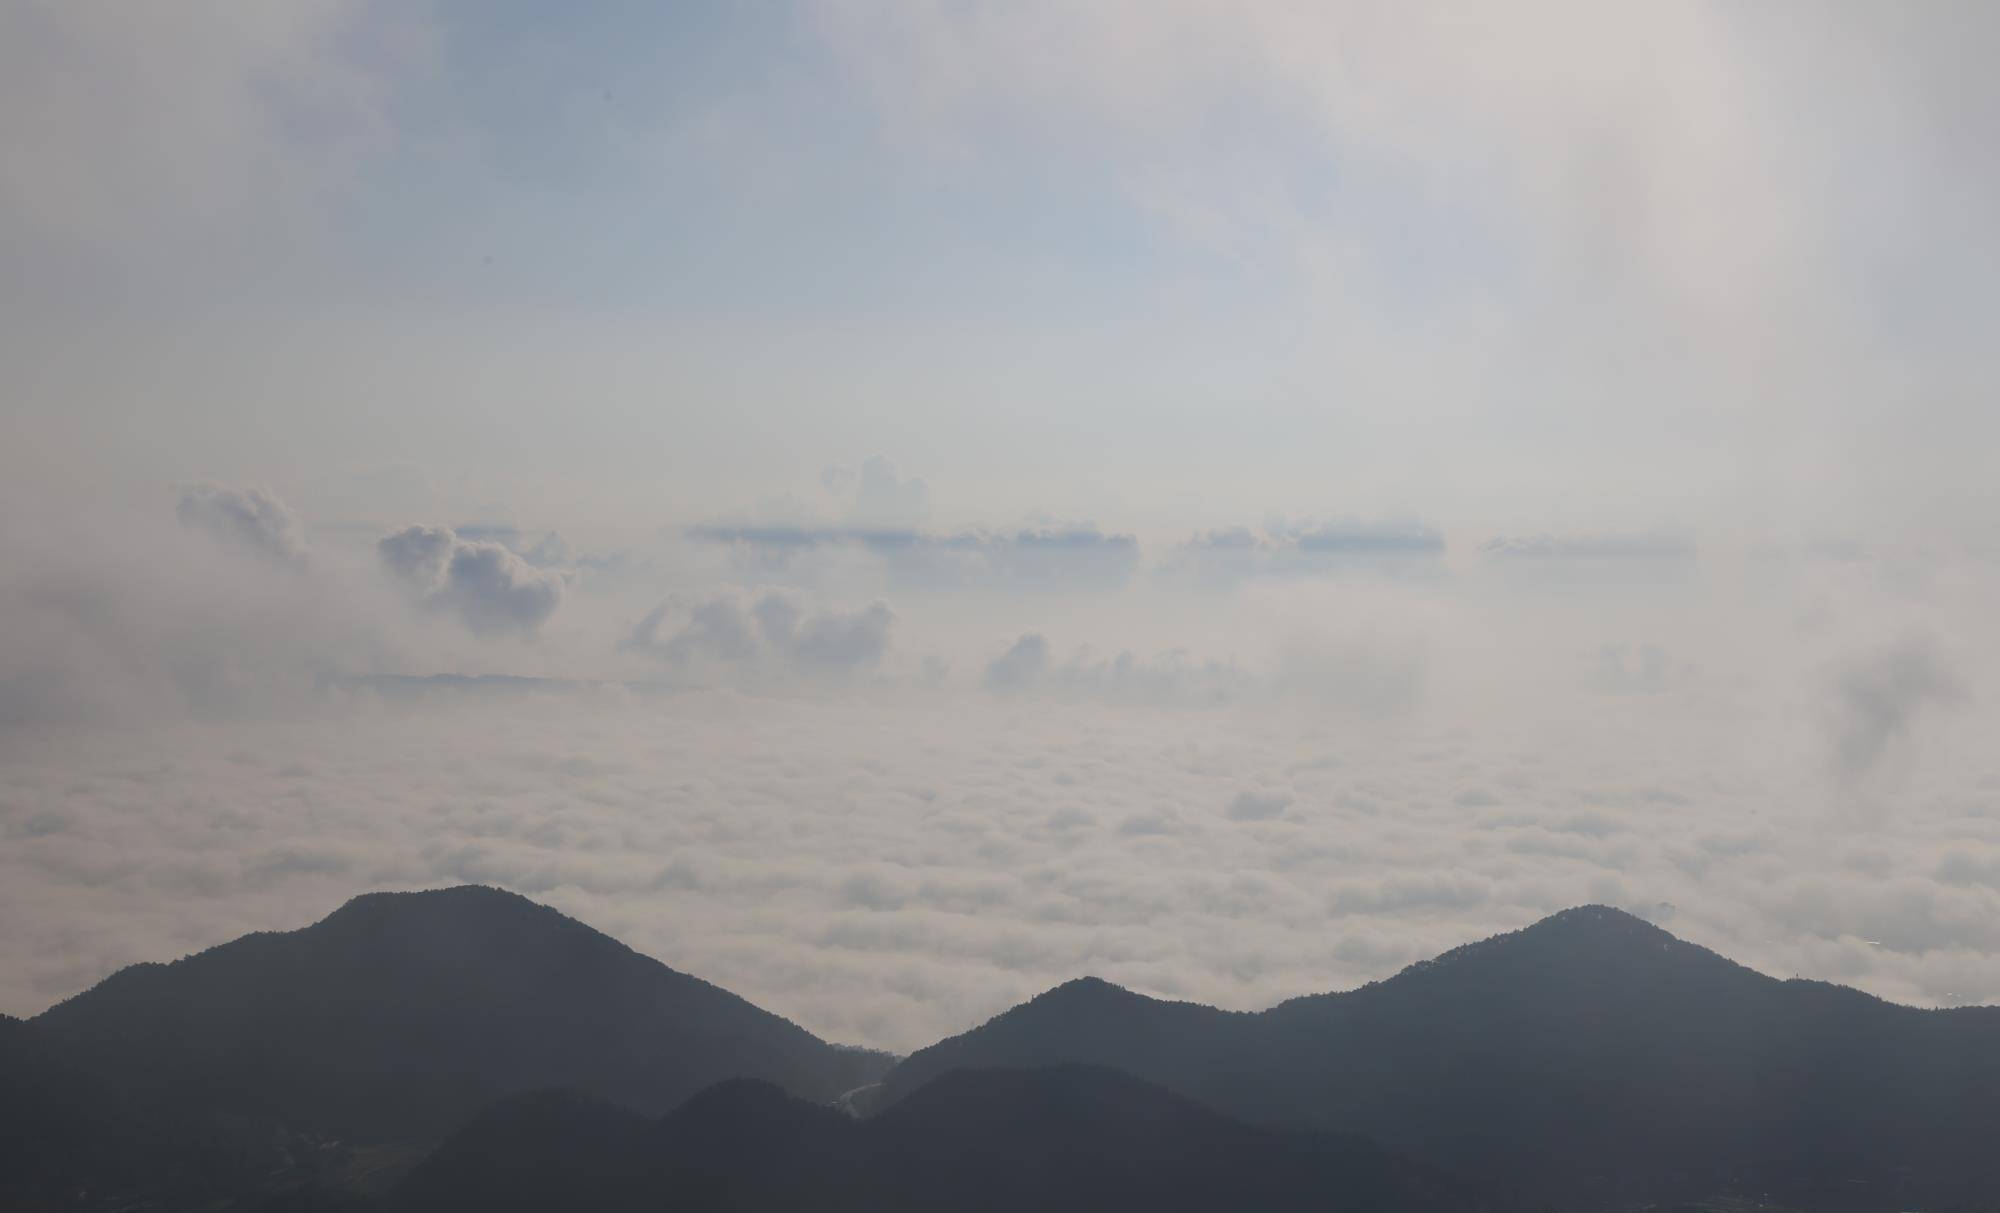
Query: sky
x=890, y=507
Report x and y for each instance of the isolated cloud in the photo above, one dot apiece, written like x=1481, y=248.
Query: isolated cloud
x=772, y=632
x=252, y=519
x=490, y=589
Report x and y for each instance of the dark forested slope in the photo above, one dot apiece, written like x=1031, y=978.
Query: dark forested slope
x=1052, y=1139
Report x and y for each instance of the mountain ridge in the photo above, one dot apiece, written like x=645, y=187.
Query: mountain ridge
x=1588, y=1061
x=393, y=1019
x=1590, y=1058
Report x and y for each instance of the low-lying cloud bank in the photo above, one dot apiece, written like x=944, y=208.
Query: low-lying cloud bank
x=889, y=868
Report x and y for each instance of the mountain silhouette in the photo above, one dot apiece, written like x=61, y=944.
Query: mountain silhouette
x=1589, y=1060
x=402, y=1013
x=394, y=1019
x=1054, y=1139
x=502, y=1055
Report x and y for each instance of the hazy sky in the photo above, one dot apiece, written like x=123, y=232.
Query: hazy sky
x=1229, y=497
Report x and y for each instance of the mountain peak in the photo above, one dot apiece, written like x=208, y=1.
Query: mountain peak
x=1596, y=919
x=1598, y=943
x=424, y=901
x=1081, y=989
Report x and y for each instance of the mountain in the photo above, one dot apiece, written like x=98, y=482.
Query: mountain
x=392, y=1020
x=402, y=1013
x=1055, y=1139
x=1589, y=1060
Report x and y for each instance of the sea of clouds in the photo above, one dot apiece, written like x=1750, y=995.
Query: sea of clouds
x=887, y=781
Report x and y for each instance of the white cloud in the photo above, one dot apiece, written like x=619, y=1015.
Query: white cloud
x=253, y=519
x=893, y=865
x=484, y=584
x=773, y=633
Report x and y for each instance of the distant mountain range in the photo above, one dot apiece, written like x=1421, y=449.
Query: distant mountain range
x=469, y=1049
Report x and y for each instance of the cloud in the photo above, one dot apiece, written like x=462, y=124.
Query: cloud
x=836, y=479
x=489, y=588
x=1169, y=678
x=1588, y=547
x=252, y=519
x=140, y=620
x=950, y=853
x=1051, y=557
x=1641, y=669
x=1878, y=699
x=1252, y=805
x=771, y=632
x=1363, y=538
x=884, y=498
x=876, y=496
x=1023, y=665
x=1309, y=547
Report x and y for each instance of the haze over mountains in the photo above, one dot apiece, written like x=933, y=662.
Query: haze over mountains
x=467, y=1048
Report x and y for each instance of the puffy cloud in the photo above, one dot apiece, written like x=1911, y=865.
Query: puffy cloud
x=489, y=588
x=771, y=632
x=550, y=551
x=252, y=519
